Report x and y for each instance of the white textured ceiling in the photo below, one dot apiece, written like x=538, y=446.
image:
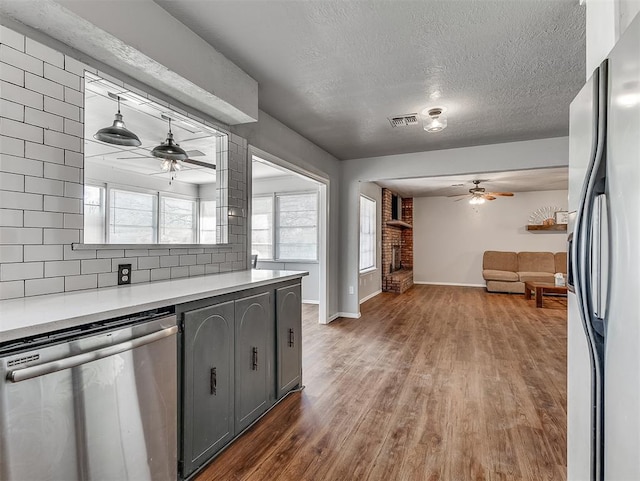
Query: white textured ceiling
x=513, y=181
x=334, y=70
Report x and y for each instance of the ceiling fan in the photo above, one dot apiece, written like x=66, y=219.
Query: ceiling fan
x=188, y=160
x=478, y=195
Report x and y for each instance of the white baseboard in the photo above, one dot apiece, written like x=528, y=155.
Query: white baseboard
x=459, y=284
x=308, y=301
x=370, y=296
x=351, y=315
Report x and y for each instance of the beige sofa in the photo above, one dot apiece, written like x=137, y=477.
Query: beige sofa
x=508, y=271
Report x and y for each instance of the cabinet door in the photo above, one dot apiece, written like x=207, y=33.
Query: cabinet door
x=254, y=358
x=208, y=383
x=289, y=325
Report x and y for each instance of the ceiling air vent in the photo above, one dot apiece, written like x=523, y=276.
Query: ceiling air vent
x=404, y=120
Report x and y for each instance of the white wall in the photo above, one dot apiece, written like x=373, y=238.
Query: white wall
x=450, y=237
x=370, y=284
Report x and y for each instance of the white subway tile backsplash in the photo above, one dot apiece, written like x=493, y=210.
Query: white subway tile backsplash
x=71, y=254
x=74, y=128
x=160, y=274
x=43, y=152
x=11, y=146
x=21, y=95
x=96, y=266
x=11, y=289
x=196, y=270
x=14, y=182
x=187, y=260
x=11, y=253
x=21, y=60
x=62, y=172
x=11, y=38
x=177, y=272
x=36, y=218
x=61, y=236
x=11, y=74
x=43, y=253
x=37, y=287
x=72, y=96
x=11, y=218
x=203, y=258
x=43, y=86
x=20, y=130
x=124, y=260
x=197, y=250
x=75, y=66
x=62, y=77
x=169, y=261
x=62, y=140
x=11, y=110
x=43, y=119
x=76, y=283
x=140, y=276
x=40, y=185
x=178, y=251
x=136, y=252
x=148, y=262
x=108, y=279
x=49, y=55
x=211, y=268
x=158, y=252
x=62, y=268
x=63, y=109
x=110, y=253
x=21, y=270
x=20, y=200
x=62, y=204
x=20, y=235
x=73, y=159
x=73, y=221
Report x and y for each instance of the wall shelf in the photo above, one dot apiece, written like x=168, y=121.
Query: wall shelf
x=399, y=223
x=552, y=227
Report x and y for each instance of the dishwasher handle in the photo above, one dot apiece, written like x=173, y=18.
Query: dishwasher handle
x=73, y=361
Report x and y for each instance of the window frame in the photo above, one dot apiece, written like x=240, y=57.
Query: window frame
x=374, y=235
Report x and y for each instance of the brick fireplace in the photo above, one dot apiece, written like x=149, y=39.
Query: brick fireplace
x=397, y=244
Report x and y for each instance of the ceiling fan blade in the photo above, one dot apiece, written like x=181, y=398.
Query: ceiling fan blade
x=138, y=157
x=502, y=194
x=457, y=195
x=195, y=153
x=488, y=197
x=200, y=163
x=461, y=198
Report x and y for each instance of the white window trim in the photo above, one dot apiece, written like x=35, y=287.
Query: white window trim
x=374, y=266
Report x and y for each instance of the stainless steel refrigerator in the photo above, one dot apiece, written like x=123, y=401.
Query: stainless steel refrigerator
x=604, y=268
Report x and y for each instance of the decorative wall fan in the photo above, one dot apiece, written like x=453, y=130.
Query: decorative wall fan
x=478, y=195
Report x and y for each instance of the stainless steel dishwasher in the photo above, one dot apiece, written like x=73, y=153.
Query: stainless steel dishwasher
x=95, y=403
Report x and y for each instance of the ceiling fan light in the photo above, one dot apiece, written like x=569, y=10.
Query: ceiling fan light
x=436, y=120
x=169, y=150
x=476, y=200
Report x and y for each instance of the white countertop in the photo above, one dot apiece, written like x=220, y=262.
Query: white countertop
x=31, y=316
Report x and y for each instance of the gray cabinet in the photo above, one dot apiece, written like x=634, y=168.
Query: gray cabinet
x=208, y=422
x=289, y=338
x=254, y=358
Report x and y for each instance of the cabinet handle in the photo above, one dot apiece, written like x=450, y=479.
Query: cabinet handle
x=291, y=337
x=254, y=366
x=213, y=382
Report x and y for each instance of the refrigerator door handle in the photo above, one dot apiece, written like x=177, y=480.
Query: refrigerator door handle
x=570, y=264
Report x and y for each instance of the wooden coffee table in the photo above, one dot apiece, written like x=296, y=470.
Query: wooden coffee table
x=542, y=288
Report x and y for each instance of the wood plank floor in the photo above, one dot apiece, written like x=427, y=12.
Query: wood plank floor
x=440, y=383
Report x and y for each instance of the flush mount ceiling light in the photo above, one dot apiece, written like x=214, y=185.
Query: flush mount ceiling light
x=169, y=149
x=117, y=133
x=434, y=120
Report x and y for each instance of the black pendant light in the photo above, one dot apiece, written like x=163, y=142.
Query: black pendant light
x=118, y=133
x=169, y=150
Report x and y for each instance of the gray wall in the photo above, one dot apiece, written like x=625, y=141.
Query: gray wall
x=370, y=283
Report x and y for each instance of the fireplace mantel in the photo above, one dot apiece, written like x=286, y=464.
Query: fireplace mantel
x=399, y=223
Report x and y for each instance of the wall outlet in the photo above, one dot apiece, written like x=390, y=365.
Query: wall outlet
x=351, y=290
x=124, y=274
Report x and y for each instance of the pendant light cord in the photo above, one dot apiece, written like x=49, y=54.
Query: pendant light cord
x=118, y=103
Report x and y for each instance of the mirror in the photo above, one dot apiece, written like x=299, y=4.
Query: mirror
x=134, y=197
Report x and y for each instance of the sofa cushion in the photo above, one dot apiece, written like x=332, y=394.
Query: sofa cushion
x=502, y=286
x=495, y=275
x=536, y=262
x=561, y=262
x=535, y=276
x=500, y=261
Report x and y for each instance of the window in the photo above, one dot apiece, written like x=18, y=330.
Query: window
x=367, y=233
x=297, y=226
x=207, y=221
x=261, y=227
x=177, y=220
x=132, y=217
x=94, y=214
